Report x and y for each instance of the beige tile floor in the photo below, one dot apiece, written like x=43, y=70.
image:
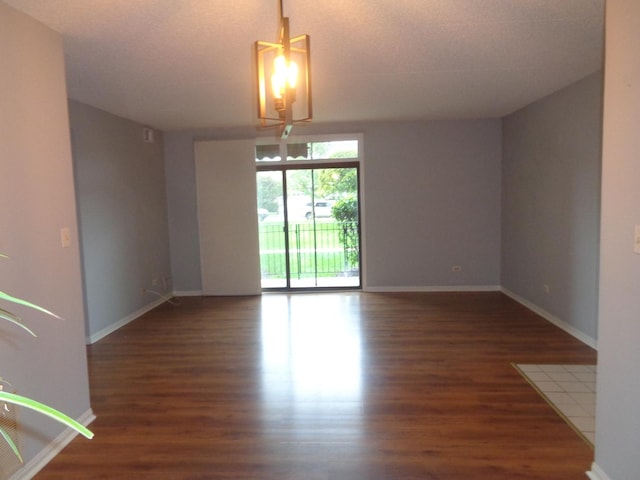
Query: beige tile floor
x=570, y=390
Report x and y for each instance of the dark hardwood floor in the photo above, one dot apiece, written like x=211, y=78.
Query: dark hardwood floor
x=331, y=386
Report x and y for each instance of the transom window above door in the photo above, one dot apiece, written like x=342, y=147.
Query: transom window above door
x=318, y=150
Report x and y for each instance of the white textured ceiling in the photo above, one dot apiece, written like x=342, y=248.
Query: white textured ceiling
x=180, y=64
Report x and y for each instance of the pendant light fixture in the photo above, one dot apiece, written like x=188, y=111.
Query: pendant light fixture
x=284, y=81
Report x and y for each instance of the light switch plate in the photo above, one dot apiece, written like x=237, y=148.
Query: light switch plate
x=65, y=237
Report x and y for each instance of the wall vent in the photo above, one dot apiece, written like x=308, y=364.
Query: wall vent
x=147, y=134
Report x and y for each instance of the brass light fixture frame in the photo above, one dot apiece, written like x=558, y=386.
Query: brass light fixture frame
x=281, y=113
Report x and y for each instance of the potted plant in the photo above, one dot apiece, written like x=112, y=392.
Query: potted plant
x=18, y=400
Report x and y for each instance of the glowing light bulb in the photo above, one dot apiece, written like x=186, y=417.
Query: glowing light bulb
x=279, y=76
x=283, y=76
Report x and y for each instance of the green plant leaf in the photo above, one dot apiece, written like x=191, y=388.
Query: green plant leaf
x=45, y=410
x=11, y=443
x=26, y=402
x=10, y=317
x=19, y=301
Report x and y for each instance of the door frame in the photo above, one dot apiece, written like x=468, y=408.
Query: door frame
x=284, y=165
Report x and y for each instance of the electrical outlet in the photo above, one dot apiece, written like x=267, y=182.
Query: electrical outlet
x=547, y=288
x=636, y=240
x=155, y=282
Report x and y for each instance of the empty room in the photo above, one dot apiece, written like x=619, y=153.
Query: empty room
x=331, y=240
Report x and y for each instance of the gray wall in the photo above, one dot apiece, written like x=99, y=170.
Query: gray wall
x=123, y=216
x=432, y=200
x=182, y=212
x=618, y=388
x=36, y=201
x=551, y=203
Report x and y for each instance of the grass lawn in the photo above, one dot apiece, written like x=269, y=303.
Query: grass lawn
x=316, y=249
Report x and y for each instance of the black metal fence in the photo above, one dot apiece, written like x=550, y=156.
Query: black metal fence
x=317, y=249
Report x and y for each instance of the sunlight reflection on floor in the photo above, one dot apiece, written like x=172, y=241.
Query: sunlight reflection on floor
x=312, y=368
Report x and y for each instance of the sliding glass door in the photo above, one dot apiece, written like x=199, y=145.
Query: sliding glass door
x=272, y=230
x=309, y=226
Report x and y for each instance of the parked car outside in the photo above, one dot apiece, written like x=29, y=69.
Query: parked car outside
x=322, y=209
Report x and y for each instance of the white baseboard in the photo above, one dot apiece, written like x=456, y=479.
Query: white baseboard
x=37, y=463
x=444, y=288
x=570, y=329
x=188, y=293
x=596, y=473
x=128, y=319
